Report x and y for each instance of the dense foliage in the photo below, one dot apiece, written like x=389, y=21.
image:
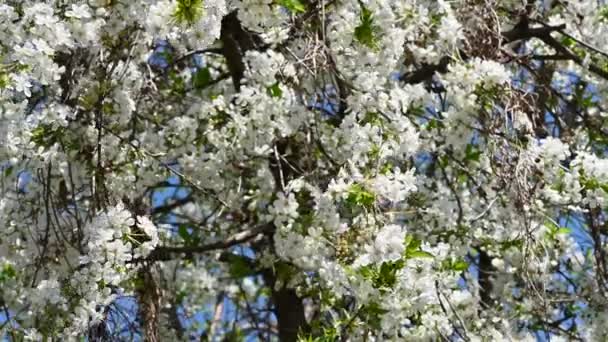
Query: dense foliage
x=314, y=170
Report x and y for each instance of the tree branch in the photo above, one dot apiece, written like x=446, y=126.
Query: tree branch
x=165, y=253
x=196, y=52
x=521, y=31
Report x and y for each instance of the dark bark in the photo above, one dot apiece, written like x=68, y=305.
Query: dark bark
x=98, y=333
x=289, y=310
x=543, y=89
x=485, y=269
x=290, y=314
x=149, y=305
x=236, y=41
x=426, y=71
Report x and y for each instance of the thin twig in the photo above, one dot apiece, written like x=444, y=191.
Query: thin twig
x=195, y=52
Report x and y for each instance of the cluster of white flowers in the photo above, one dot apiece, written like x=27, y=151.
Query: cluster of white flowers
x=395, y=186
x=348, y=122
x=554, y=149
x=284, y=209
x=387, y=246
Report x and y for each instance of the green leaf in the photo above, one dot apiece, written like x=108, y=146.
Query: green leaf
x=357, y=195
x=8, y=272
x=4, y=80
x=284, y=271
x=460, y=265
x=239, y=266
x=418, y=110
x=235, y=335
x=443, y=161
x=166, y=55
x=388, y=275
x=592, y=183
x=436, y=19
x=517, y=243
x=372, y=314
x=412, y=248
x=375, y=308
x=386, y=168
x=368, y=272
x=184, y=233
x=101, y=284
x=411, y=243
x=181, y=295
x=178, y=86
x=202, y=78
x=419, y=254
x=384, y=276
x=603, y=13
x=568, y=42
x=374, y=152
x=45, y=136
x=275, y=90
x=366, y=33
x=188, y=11
x=372, y=118
x=433, y=123
x=294, y=6
x=553, y=230
x=472, y=153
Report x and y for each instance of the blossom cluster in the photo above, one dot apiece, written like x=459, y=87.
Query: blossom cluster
x=407, y=170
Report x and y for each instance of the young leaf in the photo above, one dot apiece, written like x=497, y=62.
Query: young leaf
x=275, y=90
x=412, y=248
x=460, y=265
x=201, y=78
x=293, y=6
x=367, y=31
x=239, y=266
x=188, y=11
x=359, y=196
x=419, y=254
x=185, y=234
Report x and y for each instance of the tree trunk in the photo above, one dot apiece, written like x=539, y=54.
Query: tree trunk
x=149, y=305
x=236, y=41
x=485, y=277
x=288, y=308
